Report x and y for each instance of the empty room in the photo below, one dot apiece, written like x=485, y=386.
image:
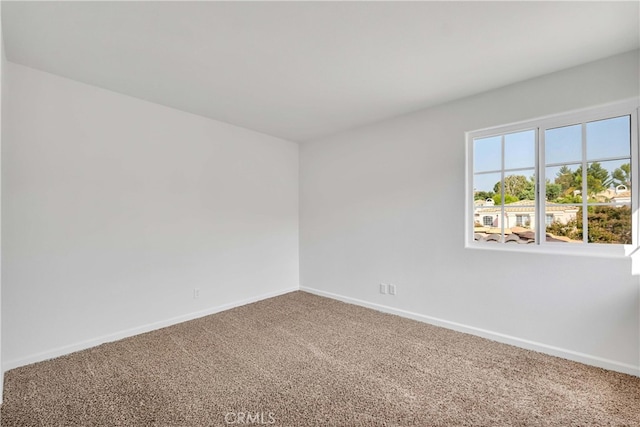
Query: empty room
x=369, y=213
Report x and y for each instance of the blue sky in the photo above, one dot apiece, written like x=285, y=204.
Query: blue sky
x=605, y=139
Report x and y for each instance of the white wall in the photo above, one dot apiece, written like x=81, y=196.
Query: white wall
x=385, y=203
x=115, y=209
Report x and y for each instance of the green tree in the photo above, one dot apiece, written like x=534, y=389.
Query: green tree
x=568, y=229
x=566, y=185
x=553, y=190
x=529, y=192
x=483, y=195
x=622, y=176
x=517, y=186
x=570, y=182
x=569, y=198
x=597, y=178
x=508, y=198
x=606, y=224
x=566, y=179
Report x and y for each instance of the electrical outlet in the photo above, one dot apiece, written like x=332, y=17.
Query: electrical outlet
x=392, y=289
x=383, y=288
x=196, y=293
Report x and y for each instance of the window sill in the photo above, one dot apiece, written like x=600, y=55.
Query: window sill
x=599, y=251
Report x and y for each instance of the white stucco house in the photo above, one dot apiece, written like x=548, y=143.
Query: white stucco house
x=519, y=214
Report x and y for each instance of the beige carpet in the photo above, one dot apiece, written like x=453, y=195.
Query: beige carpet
x=303, y=360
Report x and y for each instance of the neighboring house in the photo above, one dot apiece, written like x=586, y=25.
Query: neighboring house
x=519, y=219
x=620, y=194
x=519, y=214
x=522, y=213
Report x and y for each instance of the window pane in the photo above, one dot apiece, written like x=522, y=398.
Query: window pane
x=564, y=183
x=487, y=154
x=520, y=207
x=563, y=224
x=609, y=224
x=486, y=212
x=485, y=217
x=520, y=150
x=484, y=185
x=609, y=181
x=486, y=222
x=609, y=138
x=520, y=224
x=563, y=144
x=519, y=186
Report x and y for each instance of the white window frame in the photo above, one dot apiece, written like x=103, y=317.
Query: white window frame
x=630, y=107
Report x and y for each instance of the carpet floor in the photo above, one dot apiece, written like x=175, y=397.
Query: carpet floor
x=303, y=360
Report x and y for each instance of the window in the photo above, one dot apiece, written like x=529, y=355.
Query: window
x=574, y=174
x=522, y=220
x=548, y=219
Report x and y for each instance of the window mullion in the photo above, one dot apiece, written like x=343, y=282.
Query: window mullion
x=540, y=173
x=503, y=196
x=585, y=195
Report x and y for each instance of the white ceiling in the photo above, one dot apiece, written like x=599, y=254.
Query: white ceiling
x=303, y=70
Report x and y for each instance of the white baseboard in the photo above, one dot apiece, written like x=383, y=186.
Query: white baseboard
x=587, y=359
x=83, y=345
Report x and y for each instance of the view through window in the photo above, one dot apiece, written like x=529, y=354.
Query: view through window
x=548, y=183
